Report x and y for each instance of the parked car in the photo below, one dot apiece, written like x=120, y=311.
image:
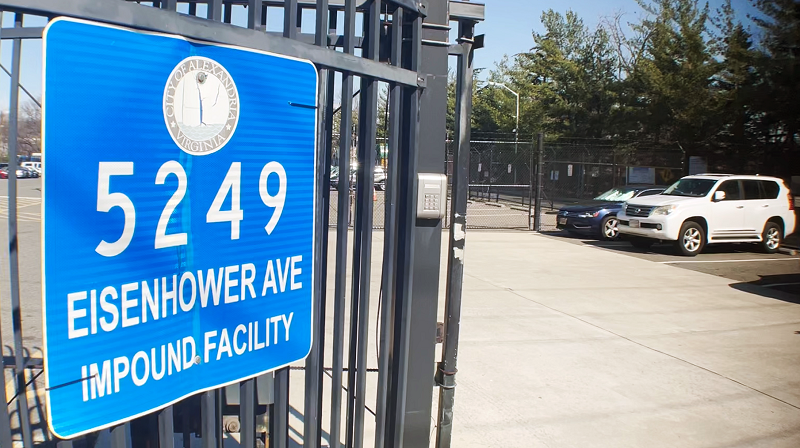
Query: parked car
x=598, y=217
x=379, y=176
x=22, y=173
x=710, y=209
x=33, y=166
x=29, y=172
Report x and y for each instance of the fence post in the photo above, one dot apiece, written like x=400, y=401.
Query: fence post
x=531, y=171
x=537, y=214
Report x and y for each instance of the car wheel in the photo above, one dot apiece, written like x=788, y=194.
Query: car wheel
x=771, y=238
x=641, y=243
x=691, y=239
x=608, y=228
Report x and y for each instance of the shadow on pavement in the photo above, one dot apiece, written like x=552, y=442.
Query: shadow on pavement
x=784, y=287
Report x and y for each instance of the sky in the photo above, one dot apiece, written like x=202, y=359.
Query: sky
x=507, y=28
x=509, y=23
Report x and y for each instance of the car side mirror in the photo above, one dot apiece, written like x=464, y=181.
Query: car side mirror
x=719, y=196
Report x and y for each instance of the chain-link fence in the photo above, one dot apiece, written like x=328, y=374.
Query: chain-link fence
x=502, y=176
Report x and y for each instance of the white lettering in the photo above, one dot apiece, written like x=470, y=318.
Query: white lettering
x=128, y=304
x=137, y=380
x=187, y=306
x=283, y=274
x=224, y=344
x=149, y=300
x=236, y=347
x=188, y=359
x=100, y=381
x=122, y=361
x=73, y=314
x=269, y=280
x=169, y=295
x=275, y=320
x=211, y=285
x=174, y=357
x=84, y=384
x=247, y=280
x=230, y=283
x=287, y=324
x=259, y=345
x=208, y=344
x=156, y=374
x=295, y=272
x=93, y=311
x=107, y=326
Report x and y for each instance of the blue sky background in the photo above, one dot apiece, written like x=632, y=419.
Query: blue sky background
x=508, y=28
x=509, y=23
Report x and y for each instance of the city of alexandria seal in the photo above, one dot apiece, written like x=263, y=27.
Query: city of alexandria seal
x=201, y=105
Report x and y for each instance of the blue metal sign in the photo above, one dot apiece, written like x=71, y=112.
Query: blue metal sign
x=178, y=219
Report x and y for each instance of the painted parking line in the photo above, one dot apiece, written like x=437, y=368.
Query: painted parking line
x=729, y=261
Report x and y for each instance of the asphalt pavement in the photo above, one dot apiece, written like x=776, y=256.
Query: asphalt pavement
x=740, y=262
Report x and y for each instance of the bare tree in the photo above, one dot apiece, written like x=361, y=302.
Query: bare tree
x=29, y=130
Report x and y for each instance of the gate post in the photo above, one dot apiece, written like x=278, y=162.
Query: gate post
x=427, y=233
x=446, y=369
x=537, y=214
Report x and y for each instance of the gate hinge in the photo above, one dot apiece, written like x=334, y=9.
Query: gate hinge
x=443, y=379
x=422, y=80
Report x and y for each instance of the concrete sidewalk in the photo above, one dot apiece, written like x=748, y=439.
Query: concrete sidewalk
x=570, y=346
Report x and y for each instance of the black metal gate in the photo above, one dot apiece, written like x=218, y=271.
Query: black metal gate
x=402, y=43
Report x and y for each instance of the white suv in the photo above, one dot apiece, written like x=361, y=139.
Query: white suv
x=712, y=208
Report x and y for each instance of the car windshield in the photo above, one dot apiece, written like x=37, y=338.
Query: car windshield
x=690, y=187
x=616, y=194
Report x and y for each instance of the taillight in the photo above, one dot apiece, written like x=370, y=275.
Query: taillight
x=791, y=200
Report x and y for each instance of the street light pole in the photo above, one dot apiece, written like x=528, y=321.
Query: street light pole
x=516, y=129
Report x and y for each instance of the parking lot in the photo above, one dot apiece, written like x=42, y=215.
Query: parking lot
x=740, y=262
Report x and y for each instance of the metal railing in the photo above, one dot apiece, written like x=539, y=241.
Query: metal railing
x=259, y=409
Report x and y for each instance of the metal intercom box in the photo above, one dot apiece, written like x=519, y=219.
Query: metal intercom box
x=431, y=196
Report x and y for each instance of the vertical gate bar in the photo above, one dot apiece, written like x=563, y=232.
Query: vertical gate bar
x=247, y=389
x=531, y=171
x=362, y=256
x=214, y=10
x=247, y=414
x=166, y=437
x=254, y=12
x=312, y=412
x=290, y=19
x=342, y=218
x=228, y=10
x=279, y=420
x=13, y=243
x=5, y=418
x=390, y=230
x=119, y=436
x=458, y=217
x=192, y=9
x=208, y=419
x=406, y=237
x=169, y=5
